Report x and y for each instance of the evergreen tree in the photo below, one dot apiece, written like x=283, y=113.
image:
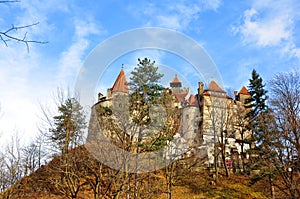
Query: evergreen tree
x=260, y=124
x=68, y=125
x=257, y=105
x=145, y=80
x=147, y=93
x=146, y=90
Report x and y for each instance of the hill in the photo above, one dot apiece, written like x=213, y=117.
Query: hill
x=78, y=175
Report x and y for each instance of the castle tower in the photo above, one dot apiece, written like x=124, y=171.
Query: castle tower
x=120, y=85
x=175, y=83
x=178, y=92
x=243, y=95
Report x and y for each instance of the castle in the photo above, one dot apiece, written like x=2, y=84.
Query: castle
x=209, y=120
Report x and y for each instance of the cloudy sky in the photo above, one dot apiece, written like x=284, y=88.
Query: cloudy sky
x=237, y=35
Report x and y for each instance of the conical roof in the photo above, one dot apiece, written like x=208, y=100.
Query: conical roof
x=213, y=86
x=244, y=91
x=120, y=84
x=175, y=80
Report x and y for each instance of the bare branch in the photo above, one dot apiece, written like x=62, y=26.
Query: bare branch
x=6, y=36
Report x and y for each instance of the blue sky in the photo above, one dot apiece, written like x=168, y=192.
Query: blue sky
x=237, y=35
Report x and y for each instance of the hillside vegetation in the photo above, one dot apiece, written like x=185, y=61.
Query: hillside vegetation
x=187, y=182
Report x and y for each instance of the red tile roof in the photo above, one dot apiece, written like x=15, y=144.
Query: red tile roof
x=120, y=84
x=244, y=91
x=213, y=86
x=175, y=80
x=192, y=100
x=180, y=96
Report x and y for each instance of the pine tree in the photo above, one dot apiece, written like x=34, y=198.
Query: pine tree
x=260, y=120
x=147, y=93
x=146, y=90
x=69, y=125
x=257, y=104
x=145, y=80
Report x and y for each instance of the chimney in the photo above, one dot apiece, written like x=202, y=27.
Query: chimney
x=235, y=95
x=108, y=93
x=100, y=96
x=200, y=88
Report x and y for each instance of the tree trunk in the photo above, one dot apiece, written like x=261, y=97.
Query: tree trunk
x=169, y=179
x=136, y=183
x=96, y=189
x=224, y=160
x=215, y=159
x=272, y=190
x=243, y=160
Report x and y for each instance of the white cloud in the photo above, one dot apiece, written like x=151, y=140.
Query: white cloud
x=265, y=32
x=22, y=77
x=175, y=15
x=211, y=4
x=72, y=59
x=17, y=98
x=26, y=79
x=37, y=11
x=84, y=28
x=270, y=24
x=172, y=21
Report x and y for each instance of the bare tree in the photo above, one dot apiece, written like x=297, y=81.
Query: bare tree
x=215, y=110
x=241, y=133
x=29, y=158
x=13, y=160
x=33, y=155
x=10, y=162
x=3, y=173
x=67, y=173
x=285, y=138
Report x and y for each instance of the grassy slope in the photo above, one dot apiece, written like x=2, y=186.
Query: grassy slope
x=197, y=185
x=192, y=187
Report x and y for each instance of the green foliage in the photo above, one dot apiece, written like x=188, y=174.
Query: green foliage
x=146, y=92
x=261, y=123
x=145, y=80
x=139, y=109
x=257, y=104
x=257, y=101
x=104, y=111
x=68, y=125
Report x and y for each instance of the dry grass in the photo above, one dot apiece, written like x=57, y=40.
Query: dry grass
x=188, y=184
